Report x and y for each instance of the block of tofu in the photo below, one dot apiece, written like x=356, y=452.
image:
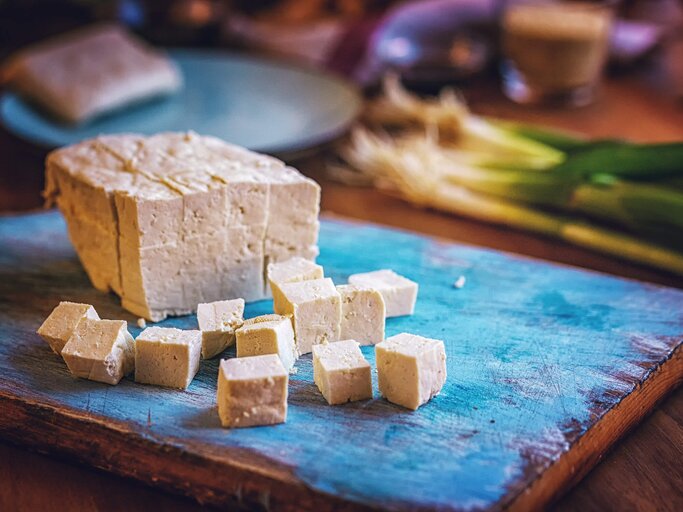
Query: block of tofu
x=252, y=391
x=411, y=369
x=61, y=323
x=341, y=372
x=399, y=292
x=82, y=74
x=218, y=321
x=315, y=307
x=98, y=249
x=272, y=334
x=167, y=357
x=292, y=270
x=100, y=350
x=176, y=219
x=363, y=314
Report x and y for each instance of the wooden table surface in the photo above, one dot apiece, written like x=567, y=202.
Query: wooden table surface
x=644, y=472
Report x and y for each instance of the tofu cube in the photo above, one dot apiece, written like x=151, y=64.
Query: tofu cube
x=411, y=369
x=399, y=293
x=61, y=323
x=363, y=314
x=291, y=271
x=217, y=322
x=341, y=372
x=268, y=336
x=100, y=350
x=252, y=391
x=167, y=357
x=315, y=306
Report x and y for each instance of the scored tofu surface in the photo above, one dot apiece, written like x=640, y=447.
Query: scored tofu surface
x=177, y=219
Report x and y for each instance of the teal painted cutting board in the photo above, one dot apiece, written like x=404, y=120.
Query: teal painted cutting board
x=547, y=367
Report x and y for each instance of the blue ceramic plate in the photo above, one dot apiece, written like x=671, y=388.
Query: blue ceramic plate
x=262, y=105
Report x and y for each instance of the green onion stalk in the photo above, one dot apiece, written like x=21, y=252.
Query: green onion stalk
x=428, y=172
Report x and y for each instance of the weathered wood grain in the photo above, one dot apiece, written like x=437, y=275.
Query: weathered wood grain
x=547, y=366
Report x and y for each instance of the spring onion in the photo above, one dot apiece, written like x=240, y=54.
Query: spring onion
x=435, y=153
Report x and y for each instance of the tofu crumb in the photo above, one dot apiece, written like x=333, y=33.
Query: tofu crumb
x=141, y=323
x=460, y=282
x=293, y=370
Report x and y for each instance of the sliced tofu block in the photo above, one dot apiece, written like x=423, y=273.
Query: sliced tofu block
x=152, y=220
x=244, y=279
x=201, y=284
x=177, y=219
x=399, y=293
x=97, y=249
x=411, y=369
x=282, y=235
x=341, y=372
x=252, y=391
x=167, y=357
x=246, y=200
x=205, y=212
x=291, y=271
x=143, y=311
x=242, y=265
x=174, y=278
x=100, y=350
x=268, y=336
x=80, y=180
x=276, y=252
x=315, y=306
x=218, y=321
x=363, y=314
x=61, y=323
x=152, y=281
x=294, y=198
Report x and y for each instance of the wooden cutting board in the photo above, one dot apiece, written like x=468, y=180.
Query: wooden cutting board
x=547, y=367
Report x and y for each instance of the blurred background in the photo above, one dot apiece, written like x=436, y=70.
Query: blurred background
x=431, y=41
x=603, y=70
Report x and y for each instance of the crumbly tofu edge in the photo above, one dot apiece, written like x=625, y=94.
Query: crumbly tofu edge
x=118, y=362
x=57, y=341
x=215, y=339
